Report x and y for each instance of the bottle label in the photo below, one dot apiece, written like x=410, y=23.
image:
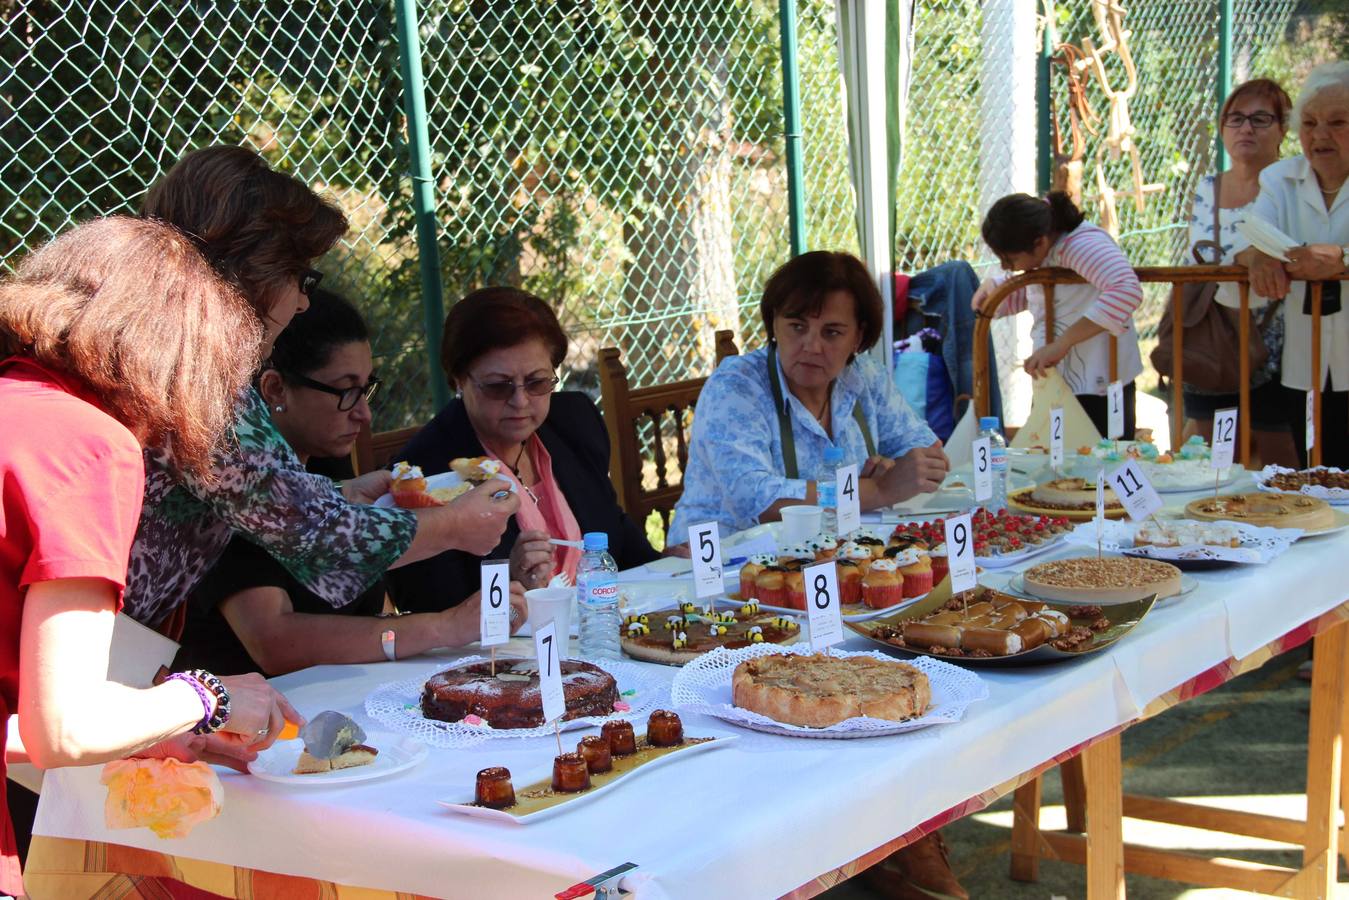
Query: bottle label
x=601, y=589
x=998, y=455
x=826, y=491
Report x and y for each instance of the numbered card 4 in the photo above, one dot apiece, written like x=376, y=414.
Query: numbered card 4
x=495, y=607
x=849, y=511
x=1135, y=492
x=960, y=553
x=705, y=548
x=826, y=620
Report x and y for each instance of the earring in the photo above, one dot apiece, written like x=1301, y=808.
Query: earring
x=279, y=408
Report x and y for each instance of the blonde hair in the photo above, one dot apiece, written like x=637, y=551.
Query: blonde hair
x=132, y=310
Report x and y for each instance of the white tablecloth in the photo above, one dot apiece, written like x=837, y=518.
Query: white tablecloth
x=755, y=819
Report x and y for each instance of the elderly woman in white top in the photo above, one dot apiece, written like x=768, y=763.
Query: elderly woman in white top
x=1306, y=197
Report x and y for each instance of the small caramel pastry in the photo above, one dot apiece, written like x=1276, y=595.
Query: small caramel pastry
x=595, y=751
x=622, y=739
x=570, y=773
x=494, y=789
x=664, y=729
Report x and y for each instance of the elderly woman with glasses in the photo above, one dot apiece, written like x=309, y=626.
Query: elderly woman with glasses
x=500, y=350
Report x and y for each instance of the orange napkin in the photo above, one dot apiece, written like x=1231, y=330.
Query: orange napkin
x=167, y=796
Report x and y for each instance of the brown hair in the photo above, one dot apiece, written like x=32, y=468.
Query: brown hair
x=1015, y=222
x=494, y=317
x=1266, y=89
x=132, y=310
x=799, y=288
x=257, y=226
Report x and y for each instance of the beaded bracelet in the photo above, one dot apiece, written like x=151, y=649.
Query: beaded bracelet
x=215, y=698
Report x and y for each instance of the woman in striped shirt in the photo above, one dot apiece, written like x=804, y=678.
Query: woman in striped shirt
x=1027, y=233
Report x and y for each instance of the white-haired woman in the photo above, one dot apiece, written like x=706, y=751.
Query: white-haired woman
x=1307, y=198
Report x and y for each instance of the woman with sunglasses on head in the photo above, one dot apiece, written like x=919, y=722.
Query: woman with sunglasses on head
x=249, y=613
x=263, y=230
x=500, y=350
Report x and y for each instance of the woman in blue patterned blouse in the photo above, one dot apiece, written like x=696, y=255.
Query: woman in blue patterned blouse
x=764, y=419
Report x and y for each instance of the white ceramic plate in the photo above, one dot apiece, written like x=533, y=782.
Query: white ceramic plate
x=1017, y=585
x=396, y=753
x=466, y=806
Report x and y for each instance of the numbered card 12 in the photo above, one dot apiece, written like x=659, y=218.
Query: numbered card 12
x=705, y=549
x=960, y=553
x=550, y=672
x=826, y=620
x=1135, y=492
x=849, y=511
x=495, y=608
x=1224, y=438
x=983, y=474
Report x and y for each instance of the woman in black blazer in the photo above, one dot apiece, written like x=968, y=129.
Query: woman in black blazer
x=500, y=349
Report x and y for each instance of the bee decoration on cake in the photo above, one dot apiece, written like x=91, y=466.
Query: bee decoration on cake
x=681, y=639
x=716, y=629
x=673, y=623
x=642, y=619
x=786, y=623
x=638, y=628
x=755, y=635
x=750, y=609
x=687, y=607
x=726, y=616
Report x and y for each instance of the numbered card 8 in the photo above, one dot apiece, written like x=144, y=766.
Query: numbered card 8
x=822, y=611
x=495, y=606
x=1135, y=492
x=960, y=553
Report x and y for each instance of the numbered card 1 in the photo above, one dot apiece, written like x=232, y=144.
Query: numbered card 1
x=550, y=672
x=849, y=510
x=1056, y=437
x=983, y=470
x=705, y=548
x=1115, y=402
x=1100, y=507
x=1224, y=438
x=960, y=553
x=826, y=621
x=1311, y=423
x=1135, y=492
x=495, y=609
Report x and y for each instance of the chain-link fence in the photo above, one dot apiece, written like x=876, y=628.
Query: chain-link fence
x=623, y=158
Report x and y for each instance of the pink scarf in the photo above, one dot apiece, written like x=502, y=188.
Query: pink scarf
x=544, y=508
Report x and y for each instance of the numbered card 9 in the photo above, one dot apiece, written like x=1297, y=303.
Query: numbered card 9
x=1056, y=437
x=1115, y=402
x=848, y=514
x=705, y=548
x=960, y=553
x=550, y=672
x=1135, y=492
x=495, y=609
x=826, y=621
x=983, y=474
x=1224, y=438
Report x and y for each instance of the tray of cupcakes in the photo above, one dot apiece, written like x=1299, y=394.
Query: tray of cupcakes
x=600, y=764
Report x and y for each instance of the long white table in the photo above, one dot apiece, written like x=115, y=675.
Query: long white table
x=758, y=818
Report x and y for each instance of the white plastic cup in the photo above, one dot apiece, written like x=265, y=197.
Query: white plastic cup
x=801, y=523
x=551, y=604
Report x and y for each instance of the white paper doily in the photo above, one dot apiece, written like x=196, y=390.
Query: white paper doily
x=1333, y=496
x=397, y=705
x=704, y=686
x=1258, y=545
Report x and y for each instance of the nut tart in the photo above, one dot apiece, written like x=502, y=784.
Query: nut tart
x=817, y=690
x=1270, y=510
x=675, y=636
x=1110, y=579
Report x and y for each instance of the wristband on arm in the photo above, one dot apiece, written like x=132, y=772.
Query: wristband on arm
x=215, y=698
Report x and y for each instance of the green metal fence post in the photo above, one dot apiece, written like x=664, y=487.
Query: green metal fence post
x=1044, y=141
x=423, y=195
x=791, y=117
x=1224, y=81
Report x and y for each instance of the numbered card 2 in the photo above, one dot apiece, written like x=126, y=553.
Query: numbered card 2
x=960, y=553
x=1224, y=438
x=826, y=620
x=705, y=548
x=1056, y=438
x=1135, y=492
x=547, y=652
x=849, y=511
x=495, y=609
x=1115, y=402
x=983, y=470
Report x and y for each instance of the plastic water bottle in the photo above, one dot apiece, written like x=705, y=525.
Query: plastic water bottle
x=826, y=489
x=597, y=598
x=990, y=427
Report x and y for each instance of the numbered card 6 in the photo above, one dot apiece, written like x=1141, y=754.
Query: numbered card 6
x=826, y=620
x=960, y=553
x=705, y=549
x=1133, y=489
x=495, y=607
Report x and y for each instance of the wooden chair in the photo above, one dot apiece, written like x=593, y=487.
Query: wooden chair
x=375, y=451
x=637, y=422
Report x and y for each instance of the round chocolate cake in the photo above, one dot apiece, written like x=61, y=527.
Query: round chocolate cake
x=510, y=699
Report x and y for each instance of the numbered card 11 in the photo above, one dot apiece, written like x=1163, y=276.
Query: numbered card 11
x=705, y=549
x=1115, y=403
x=1224, y=438
x=550, y=672
x=960, y=553
x=826, y=621
x=1056, y=438
x=1135, y=492
x=983, y=471
x=849, y=511
x=1311, y=423
x=494, y=612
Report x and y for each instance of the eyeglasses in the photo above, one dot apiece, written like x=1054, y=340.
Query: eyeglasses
x=346, y=397
x=1256, y=120
x=309, y=280
x=501, y=391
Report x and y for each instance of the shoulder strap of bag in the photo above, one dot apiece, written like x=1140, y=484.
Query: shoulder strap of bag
x=784, y=415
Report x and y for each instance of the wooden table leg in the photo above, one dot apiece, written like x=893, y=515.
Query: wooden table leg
x=1103, y=772
x=1324, y=762
x=1074, y=794
x=1026, y=831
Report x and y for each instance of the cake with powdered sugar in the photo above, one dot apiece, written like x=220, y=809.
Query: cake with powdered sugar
x=509, y=698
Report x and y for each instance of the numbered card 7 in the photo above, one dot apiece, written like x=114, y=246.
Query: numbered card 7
x=495, y=605
x=705, y=549
x=960, y=553
x=550, y=672
x=1224, y=438
x=1135, y=492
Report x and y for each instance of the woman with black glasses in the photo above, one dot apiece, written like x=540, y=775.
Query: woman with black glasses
x=501, y=348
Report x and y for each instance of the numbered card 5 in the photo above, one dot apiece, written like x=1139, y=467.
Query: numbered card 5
x=1224, y=438
x=849, y=511
x=705, y=547
x=983, y=474
x=1115, y=402
x=1056, y=437
x=826, y=621
x=550, y=672
x=1133, y=489
x=960, y=553
x=495, y=609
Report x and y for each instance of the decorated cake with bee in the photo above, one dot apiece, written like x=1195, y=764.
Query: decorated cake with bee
x=675, y=636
